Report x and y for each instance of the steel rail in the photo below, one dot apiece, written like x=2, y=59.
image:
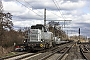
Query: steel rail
x=47, y=56
x=60, y=57
x=82, y=52
x=7, y=57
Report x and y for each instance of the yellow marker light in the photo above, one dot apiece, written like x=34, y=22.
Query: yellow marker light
x=41, y=45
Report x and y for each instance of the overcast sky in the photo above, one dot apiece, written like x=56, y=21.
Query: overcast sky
x=30, y=12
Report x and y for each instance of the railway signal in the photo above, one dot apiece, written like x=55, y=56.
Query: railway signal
x=79, y=35
x=79, y=31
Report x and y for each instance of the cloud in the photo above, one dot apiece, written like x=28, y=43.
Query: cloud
x=26, y=23
x=69, y=10
x=72, y=0
x=29, y=15
x=13, y=7
x=50, y=5
x=86, y=25
x=7, y=0
x=72, y=5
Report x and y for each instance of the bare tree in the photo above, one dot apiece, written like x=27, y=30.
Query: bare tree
x=56, y=29
x=5, y=24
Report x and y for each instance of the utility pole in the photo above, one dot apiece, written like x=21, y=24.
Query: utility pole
x=67, y=34
x=52, y=20
x=45, y=17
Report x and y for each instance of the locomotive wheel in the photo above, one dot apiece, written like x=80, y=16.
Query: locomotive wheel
x=47, y=45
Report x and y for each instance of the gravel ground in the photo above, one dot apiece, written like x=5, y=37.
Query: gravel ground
x=54, y=57
x=39, y=56
x=74, y=54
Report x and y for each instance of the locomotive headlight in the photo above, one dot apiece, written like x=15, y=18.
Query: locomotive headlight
x=42, y=40
x=41, y=45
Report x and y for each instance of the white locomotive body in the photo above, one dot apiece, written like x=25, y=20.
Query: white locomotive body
x=57, y=41
x=35, y=35
x=39, y=38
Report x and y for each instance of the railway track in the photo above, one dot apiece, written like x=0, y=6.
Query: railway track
x=54, y=56
x=85, y=52
x=61, y=53
x=38, y=55
x=18, y=53
x=18, y=57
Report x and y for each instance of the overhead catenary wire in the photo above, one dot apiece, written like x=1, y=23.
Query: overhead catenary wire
x=39, y=11
x=30, y=5
x=33, y=7
x=58, y=8
x=29, y=9
x=55, y=14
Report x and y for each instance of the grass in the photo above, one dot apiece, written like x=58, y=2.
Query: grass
x=9, y=54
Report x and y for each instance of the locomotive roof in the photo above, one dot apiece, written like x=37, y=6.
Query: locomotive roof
x=38, y=26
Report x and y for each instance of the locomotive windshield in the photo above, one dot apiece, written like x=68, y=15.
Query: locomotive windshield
x=38, y=26
x=35, y=27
